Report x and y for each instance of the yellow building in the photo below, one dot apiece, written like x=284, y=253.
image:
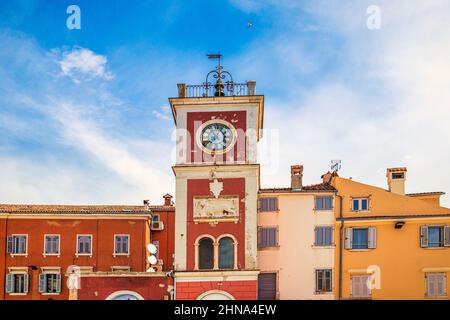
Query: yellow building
x=390, y=245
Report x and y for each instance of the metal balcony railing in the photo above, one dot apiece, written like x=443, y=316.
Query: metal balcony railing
x=209, y=90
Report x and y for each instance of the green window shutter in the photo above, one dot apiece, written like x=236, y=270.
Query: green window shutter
x=42, y=282
x=9, y=283
x=348, y=238
x=424, y=236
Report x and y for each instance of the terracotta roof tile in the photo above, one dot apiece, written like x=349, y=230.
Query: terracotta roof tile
x=80, y=209
x=313, y=187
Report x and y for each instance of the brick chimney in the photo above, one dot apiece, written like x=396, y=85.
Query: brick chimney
x=396, y=178
x=296, y=177
x=167, y=199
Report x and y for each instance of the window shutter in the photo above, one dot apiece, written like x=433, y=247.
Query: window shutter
x=372, y=237
x=58, y=283
x=276, y=204
x=348, y=238
x=259, y=204
x=42, y=282
x=316, y=236
x=259, y=237
x=10, y=245
x=9, y=283
x=25, y=283
x=447, y=236
x=22, y=244
x=276, y=236
x=424, y=236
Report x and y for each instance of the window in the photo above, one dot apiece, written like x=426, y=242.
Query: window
x=51, y=244
x=267, y=237
x=267, y=286
x=50, y=283
x=17, y=244
x=360, y=238
x=323, y=236
x=324, y=281
x=436, y=284
x=398, y=175
x=84, y=244
x=156, y=217
x=121, y=244
x=206, y=253
x=360, y=204
x=268, y=204
x=226, y=253
x=434, y=236
x=17, y=283
x=360, y=287
x=324, y=203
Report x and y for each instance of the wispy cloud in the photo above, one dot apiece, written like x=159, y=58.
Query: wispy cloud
x=81, y=64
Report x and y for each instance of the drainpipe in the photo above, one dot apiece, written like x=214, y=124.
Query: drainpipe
x=341, y=238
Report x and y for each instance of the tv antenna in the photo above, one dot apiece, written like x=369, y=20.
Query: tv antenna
x=335, y=165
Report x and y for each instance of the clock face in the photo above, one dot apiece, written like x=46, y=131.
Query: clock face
x=217, y=137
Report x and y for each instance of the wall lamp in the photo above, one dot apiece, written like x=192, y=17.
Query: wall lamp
x=399, y=224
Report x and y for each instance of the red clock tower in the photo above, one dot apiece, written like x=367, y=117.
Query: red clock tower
x=217, y=180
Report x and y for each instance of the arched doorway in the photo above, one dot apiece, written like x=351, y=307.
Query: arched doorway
x=125, y=295
x=215, y=295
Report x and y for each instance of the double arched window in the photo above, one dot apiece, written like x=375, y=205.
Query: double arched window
x=214, y=254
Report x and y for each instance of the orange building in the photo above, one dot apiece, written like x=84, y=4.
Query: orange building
x=42, y=244
x=390, y=245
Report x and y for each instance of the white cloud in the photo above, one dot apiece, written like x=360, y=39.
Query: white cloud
x=82, y=63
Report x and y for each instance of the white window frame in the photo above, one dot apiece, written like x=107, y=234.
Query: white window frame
x=45, y=254
x=128, y=245
x=26, y=245
x=359, y=199
x=51, y=271
x=21, y=271
x=77, y=254
x=331, y=280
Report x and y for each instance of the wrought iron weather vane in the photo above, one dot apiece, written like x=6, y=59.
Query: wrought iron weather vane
x=220, y=75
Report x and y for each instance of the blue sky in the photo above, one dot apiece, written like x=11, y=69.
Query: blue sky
x=84, y=113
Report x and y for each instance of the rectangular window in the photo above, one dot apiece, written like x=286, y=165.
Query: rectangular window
x=398, y=175
x=360, y=287
x=324, y=203
x=436, y=284
x=360, y=204
x=17, y=283
x=267, y=286
x=268, y=204
x=434, y=236
x=121, y=245
x=50, y=283
x=360, y=238
x=156, y=217
x=84, y=244
x=323, y=236
x=267, y=237
x=51, y=245
x=324, y=280
x=17, y=244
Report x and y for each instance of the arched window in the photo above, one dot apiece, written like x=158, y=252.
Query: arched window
x=226, y=253
x=206, y=253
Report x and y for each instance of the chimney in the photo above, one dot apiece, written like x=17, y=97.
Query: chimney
x=146, y=204
x=396, y=180
x=296, y=176
x=167, y=199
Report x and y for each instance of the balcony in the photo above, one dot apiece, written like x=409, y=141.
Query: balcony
x=228, y=89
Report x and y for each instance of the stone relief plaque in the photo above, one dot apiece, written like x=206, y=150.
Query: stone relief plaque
x=208, y=209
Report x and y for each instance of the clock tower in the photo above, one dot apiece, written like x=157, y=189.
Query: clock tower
x=217, y=180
